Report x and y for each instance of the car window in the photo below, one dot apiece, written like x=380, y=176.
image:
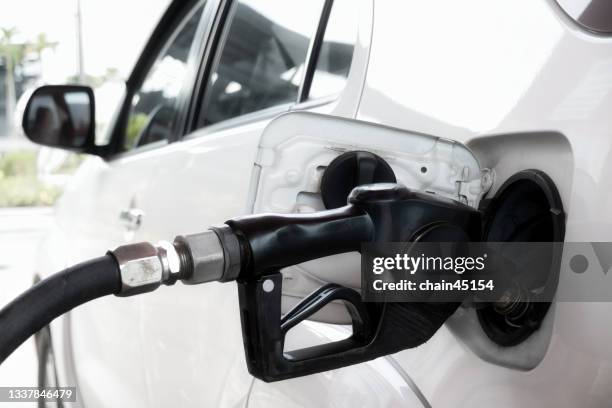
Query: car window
x=336, y=52
x=262, y=56
x=154, y=106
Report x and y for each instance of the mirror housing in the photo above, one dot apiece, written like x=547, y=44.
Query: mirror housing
x=61, y=116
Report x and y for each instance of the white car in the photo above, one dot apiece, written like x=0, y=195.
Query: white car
x=504, y=105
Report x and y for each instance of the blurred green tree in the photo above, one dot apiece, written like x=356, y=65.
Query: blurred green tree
x=12, y=55
x=41, y=44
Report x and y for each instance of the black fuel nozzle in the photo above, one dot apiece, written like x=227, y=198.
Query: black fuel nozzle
x=253, y=249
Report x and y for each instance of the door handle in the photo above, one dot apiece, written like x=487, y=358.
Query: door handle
x=131, y=218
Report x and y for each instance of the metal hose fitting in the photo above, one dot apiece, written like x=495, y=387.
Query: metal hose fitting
x=212, y=255
x=144, y=267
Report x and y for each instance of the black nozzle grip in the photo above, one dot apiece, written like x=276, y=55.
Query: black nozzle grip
x=378, y=329
x=264, y=331
x=274, y=241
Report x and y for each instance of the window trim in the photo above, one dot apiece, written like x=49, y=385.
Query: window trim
x=314, y=51
x=211, y=56
x=166, y=30
x=216, y=56
x=193, y=63
x=207, y=62
x=307, y=102
x=316, y=102
x=242, y=120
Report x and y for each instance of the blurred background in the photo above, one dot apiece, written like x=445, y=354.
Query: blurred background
x=92, y=42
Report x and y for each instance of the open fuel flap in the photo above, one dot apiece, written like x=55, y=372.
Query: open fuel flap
x=306, y=162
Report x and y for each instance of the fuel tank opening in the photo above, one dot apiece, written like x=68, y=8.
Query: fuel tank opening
x=527, y=208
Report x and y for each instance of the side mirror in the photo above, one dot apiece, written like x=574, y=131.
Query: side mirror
x=61, y=116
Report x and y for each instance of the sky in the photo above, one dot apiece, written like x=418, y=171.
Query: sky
x=114, y=32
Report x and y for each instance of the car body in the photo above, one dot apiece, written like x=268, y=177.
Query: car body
x=518, y=83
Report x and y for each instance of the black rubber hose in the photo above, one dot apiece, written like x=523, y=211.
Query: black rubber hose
x=54, y=296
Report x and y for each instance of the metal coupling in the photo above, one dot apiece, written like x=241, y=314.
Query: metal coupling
x=144, y=267
x=212, y=255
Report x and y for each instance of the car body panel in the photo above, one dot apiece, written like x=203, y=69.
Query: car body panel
x=510, y=73
x=524, y=87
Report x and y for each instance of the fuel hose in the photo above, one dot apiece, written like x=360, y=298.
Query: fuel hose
x=54, y=296
x=126, y=271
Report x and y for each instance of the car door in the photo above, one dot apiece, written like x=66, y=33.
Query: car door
x=264, y=59
x=101, y=209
